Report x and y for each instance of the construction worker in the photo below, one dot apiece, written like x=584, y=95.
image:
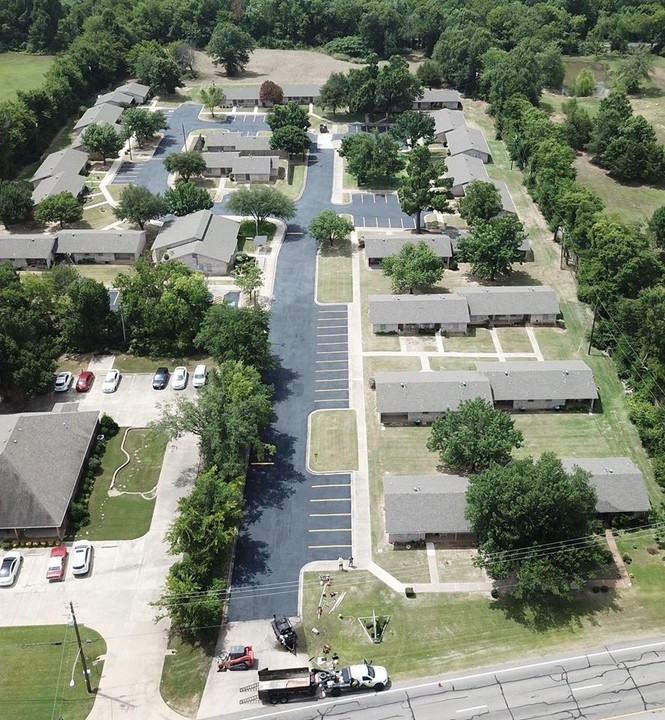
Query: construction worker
x=340, y=563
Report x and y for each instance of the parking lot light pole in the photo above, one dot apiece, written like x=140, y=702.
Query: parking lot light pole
x=86, y=672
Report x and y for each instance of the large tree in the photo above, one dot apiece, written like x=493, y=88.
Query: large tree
x=492, y=247
x=142, y=124
x=185, y=163
x=228, y=416
x=481, y=201
x=231, y=47
x=578, y=124
x=413, y=267
x=396, y=87
x=635, y=69
x=419, y=190
x=534, y=523
x=371, y=155
x=186, y=198
x=261, y=202
x=249, y=278
x=138, y=205
x=635, y=153
x=329, y=227
x=230, y=333
x=270, y=93
x=160, y=73
x=289, y=114
x=86, y=321
x=103, y=140
x=15, y=201
x=473, y=437
x=62, y=208
x=163, y=306
x=656, y=226
x=212, y=97
x=291, y=139
x=412, y=126
x=334, y=92
x=613, y=112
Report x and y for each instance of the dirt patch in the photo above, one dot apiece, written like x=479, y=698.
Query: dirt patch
x=280, y=66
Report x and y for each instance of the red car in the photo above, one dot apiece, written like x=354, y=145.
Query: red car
x=56, y=564
x=84, y=383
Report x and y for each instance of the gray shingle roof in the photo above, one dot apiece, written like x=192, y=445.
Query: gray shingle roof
x=464, y=169
x=549, y=380
x=401, y=392
x=100, y=241
x=446, y=120
x=62, y=182
x=507, y=204
x=116, y=97
x=425, y=504
x=409, y=309
x=440, y=95
x=99, y=114
x=290, y=90
x=139, y=91
x=619, y=484
x=36, y=487
x=463, y=139
x=255, y=165
x=201, y=232
x=69, y=160
x=377, y=248
x=519, y=300
x=237, y=141
x=219, y=160
x=33, y=247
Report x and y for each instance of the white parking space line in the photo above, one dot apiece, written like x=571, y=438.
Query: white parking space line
x=323, y=362
x=330, y=310
x=329, y=335
x=341, y=499
x=327, y=400
x=314, y=547
x=332, y=485
x=332, y=390
x=330, y=530
x=377, y=222
x=386, y=198
x=331, y=352
x=587, y=687
x=477, y=707
x=330, y=327
x=333, y=380
x=374, y=196
x=330, y=514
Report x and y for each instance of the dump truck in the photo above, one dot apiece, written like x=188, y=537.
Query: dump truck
x=280, y=686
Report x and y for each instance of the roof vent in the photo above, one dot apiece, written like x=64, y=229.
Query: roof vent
x=402, y=385
x=609, y=471
x=506, y=373
x=415, y=489
x=462, y=384
x=565, y=372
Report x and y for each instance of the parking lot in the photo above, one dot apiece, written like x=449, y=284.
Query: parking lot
x=332, y=357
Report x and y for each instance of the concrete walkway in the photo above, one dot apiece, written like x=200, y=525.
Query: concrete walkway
x=431, y=563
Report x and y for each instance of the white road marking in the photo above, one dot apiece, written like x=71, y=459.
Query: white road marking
x=347, y=499
x=333, y=380
x=333, y=485
x=330, y=514
x=587, y=687
x=337, y=370
x=332, y=352
x=330, y=530
x=478, y=707
x=327, y=400
x=332, y=335
x=314, y=547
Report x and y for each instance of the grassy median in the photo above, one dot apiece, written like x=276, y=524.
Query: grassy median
x=333, y=441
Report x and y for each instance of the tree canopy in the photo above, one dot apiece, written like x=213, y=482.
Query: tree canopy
x=411, y=126
x=261, y=202
x=529, y=517
x=473, y=437
x=138, y=205
x=62, y=208
x=493, y=246
x=102, y=140
x=186, y=198
x=291, y=139
x=186, y=164
x=413, y=267
x=142, y=124
x=212, y=97
x=371, y=155
x=421, y=189
x=15, y=201
x=231, y=47
x=329, y=227
x=270, y=92
x=481, y=201
x=288, y=115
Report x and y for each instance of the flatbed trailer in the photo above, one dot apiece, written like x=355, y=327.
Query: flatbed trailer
x=280, y=686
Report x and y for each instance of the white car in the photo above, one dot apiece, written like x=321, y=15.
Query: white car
x=63, y=381
x=81, y=556
x=179, y=378
x=199, y=376
x=9, y=567
x=111, y=381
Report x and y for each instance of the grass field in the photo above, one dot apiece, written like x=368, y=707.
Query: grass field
x=293, y=183
x=333, y=441
x=21, y=71
x=476, y=340
x=136, y=364
x=334, y=276
x=514, y=340
x=125, y=517
x=38, y=663
x=185, y=673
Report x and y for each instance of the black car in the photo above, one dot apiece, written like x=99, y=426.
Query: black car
x=161, y=378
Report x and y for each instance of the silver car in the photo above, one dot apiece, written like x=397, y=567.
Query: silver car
x=179, y=378
x=9, y=567
x=111, y=381
x=81, y=556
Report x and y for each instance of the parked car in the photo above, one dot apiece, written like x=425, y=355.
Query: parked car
x=63, y=381
x=9, y=567
x=160, y=379
x=200, y=375
x=323, y=128
x=84, y=383
x=81, y=556
x=56, y=564
x=179, y=381
x=111, y=381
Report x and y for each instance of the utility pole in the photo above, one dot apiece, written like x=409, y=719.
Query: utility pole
x=80, y=644
x=593, y=327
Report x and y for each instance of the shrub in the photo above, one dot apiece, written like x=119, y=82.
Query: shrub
x=108, y=426
x=351, y=46
x=94, y=465
x=627, y=558
x=372, y=383
x=652, y=550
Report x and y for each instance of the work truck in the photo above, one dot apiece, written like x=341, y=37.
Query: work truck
x=280, y=686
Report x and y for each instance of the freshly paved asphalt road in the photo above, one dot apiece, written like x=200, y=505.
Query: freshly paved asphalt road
x=625, y=679
x=291, y=516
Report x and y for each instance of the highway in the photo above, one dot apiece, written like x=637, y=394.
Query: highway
x=619, y=680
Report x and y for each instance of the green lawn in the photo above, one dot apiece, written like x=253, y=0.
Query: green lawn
x=514, y=340
x=38, y=663
x=475, y=341
x=185, y=673
x=446, y=363
x=555, y=343
x=390, y=364
x=248, y=232
x=409, y=566
x=22, y=71
x=333, y=441
x=293, y=183
x=334, y=278
x=434, y=633
x=125, y=517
